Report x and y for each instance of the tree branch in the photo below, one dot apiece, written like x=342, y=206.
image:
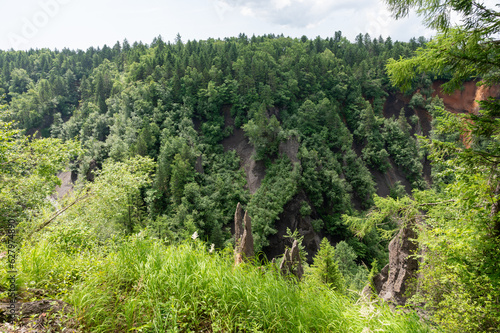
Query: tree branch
x=8, y=162
x=436, y=203
x=56, y=214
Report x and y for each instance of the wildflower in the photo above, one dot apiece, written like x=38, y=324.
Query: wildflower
x=212, y=248
x=195, y=235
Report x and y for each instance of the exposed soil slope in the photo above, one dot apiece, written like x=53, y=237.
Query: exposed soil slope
x=460, y=101
x=291, y=218
x=464, y=100
x=255, y=170
x=67, y=180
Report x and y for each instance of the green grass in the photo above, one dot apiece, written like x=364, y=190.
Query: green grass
x=137, y=284
x=145, y=286
x=49, y=264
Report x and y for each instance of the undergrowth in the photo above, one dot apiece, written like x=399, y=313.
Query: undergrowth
x=140, y=284
x=146, y=286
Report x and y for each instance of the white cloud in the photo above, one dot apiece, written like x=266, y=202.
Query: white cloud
x=280, y=4
x=247, y=11
x=323, y=17
x=295, y=13
x=114, y=20
x=377, y=22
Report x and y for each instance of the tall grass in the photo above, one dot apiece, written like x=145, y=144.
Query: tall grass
x=146, y=286
x=49, y=264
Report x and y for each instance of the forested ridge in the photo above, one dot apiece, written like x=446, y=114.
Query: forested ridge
x=165, y=139
x=165, y=101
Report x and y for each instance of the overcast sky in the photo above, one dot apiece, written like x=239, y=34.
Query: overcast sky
x=79, y=24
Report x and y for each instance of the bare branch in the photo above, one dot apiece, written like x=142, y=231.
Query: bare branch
x=56, y=214
x=11, y=161
x=437, y=203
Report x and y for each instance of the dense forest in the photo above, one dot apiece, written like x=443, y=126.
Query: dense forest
x=313, y=137
x=179, y=103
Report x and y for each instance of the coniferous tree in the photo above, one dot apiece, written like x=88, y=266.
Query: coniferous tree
x=325, y=268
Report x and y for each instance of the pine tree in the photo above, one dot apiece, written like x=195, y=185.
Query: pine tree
x=325, y=269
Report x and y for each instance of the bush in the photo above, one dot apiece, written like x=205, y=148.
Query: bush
x=417, y=101
x=305, y=209
x=317, y=225
x=356, y=277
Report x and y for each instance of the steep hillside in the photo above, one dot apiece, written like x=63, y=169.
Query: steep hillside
x=301, y=132
x=465, y=99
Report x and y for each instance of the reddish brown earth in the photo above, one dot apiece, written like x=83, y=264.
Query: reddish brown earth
x=464, y=100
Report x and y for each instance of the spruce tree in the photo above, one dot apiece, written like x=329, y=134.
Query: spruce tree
x=325, y=269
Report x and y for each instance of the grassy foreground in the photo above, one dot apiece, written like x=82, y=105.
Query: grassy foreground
x=138, y=284
x=146, y=286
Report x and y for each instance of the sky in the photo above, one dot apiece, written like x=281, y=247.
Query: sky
x=80, y=24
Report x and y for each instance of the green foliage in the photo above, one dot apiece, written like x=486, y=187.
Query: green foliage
x=144, y=284
x=404, y=149
x=325, y=267
x=318, y=225
x=263, y=133
x=358, y=175
x=19, y=81
x=296, y=236
x=385, y=217
x=52, y=264
x=112, y=204
x=278, y=187
x=178, y=103
x=142, y=108
x=321, y=179
x=417, y=101
x=468, y=49
x=28, y=172
x=468, y=264
x=374, y=153
x=345, y=257
x=375, y=269
x=305, y=209
x=459, y=272
x=397, y=190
